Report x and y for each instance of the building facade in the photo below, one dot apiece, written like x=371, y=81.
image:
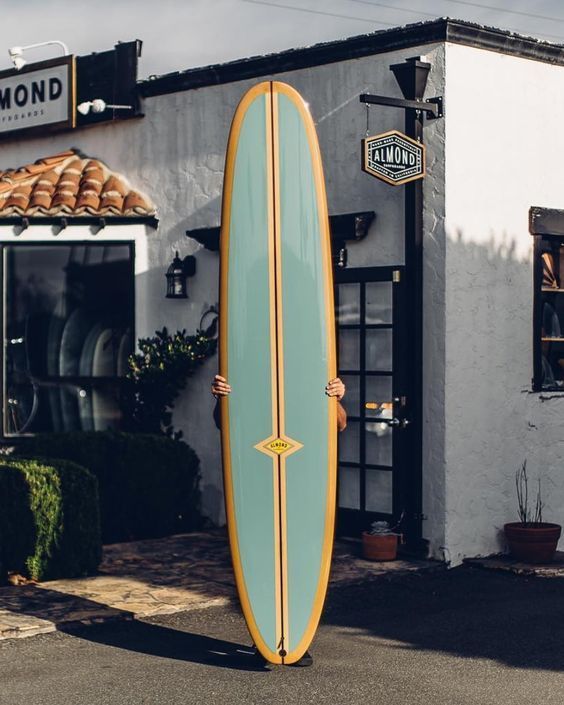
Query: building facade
x=495, y=154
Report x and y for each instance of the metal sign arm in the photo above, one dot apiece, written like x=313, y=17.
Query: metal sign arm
x=433, y=108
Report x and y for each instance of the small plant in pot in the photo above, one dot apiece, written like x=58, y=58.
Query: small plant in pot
x=381, y=542
x=531, y=539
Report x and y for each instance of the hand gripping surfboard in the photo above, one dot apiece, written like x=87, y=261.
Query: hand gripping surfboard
x=277, y=350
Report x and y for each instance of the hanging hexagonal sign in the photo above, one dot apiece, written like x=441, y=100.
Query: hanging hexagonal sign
x=393, y=157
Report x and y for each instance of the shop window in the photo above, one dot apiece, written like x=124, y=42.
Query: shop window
x=549, y=314
x=68, y=313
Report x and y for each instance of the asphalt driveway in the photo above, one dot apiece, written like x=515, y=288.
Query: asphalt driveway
x=464, y=636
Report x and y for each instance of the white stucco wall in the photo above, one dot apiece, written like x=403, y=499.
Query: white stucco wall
x=175, y=154
x=501, y=158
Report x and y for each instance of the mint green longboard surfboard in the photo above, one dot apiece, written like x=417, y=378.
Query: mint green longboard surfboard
x=277, y=350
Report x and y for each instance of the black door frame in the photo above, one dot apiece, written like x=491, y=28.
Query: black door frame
x=411, y=76
x=406, y=483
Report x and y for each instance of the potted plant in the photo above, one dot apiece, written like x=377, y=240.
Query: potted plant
x=531, y=539
x=381, y=542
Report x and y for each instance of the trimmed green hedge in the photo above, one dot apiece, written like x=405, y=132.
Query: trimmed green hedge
x=149, y=484
x=49, y=518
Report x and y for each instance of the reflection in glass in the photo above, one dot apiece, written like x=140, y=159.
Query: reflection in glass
x=379, y=350
x=349, y=349
x=378, y=443
x=348, y=309
x=552, y=321
x=351, y=400
x=379, y=491
x=349, y=488
x=379, y=302
x=552, y=340
x=379, y=397
x=68, y=322
x=349, y=447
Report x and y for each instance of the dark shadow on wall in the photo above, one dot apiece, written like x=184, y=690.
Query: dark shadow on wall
x=489, y=312
x=489, y=366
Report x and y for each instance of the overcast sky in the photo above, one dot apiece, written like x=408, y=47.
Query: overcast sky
x=179, y=35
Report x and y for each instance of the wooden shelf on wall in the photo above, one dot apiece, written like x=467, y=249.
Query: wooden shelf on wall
x=549, y=339
x=552, y=289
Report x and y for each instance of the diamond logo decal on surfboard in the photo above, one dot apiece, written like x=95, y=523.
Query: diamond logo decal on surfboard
x=278, y=445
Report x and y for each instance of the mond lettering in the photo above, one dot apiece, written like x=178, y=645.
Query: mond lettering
x=34, y=93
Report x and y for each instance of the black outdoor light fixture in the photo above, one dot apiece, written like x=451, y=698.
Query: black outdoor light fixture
x=176, y=276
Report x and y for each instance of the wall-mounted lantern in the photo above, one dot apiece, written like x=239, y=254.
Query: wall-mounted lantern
x=176, y=276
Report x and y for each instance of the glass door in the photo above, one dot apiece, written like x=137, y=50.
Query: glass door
x=371, y=363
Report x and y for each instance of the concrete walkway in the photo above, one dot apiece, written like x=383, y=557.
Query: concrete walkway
x=157, y=577
x=554, y=569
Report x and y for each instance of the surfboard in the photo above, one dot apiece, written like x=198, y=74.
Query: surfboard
x=104, y=365
x=85, y=409
x=277, y=350
x=124, y=351
x=74, y=333
x=57, y=323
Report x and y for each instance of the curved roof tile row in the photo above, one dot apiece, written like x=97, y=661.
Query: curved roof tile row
x=69, y=184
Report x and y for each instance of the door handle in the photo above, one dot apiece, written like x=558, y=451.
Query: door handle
x=399, y=423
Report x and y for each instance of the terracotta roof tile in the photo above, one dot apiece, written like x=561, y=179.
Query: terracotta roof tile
x=48, y=177
x=133, y=204
x=69, y=184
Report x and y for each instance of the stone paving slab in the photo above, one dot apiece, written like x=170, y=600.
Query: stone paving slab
x=158, y=576
x=501, y=561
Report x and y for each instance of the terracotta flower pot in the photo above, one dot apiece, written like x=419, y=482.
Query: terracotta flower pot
x=535, y=543
x=379, y=547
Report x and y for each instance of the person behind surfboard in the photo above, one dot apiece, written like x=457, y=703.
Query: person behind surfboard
x=335, y=388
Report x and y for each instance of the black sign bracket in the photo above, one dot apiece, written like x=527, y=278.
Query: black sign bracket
x=432, y=107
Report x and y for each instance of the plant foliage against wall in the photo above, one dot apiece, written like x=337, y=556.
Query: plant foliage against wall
x=159, y=372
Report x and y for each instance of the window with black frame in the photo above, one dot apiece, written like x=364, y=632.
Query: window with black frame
x=549, y=319
x=68, y=331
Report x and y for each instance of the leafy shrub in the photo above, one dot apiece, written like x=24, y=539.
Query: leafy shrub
x=17, y=528
x=159, y=372
x=149, y=484
x=49, y=518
